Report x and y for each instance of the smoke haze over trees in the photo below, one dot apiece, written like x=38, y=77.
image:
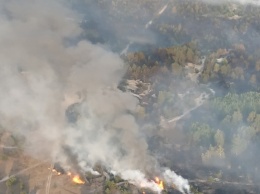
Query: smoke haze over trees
x=184, y=94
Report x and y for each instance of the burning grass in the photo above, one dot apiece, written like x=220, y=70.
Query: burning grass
x=156, y=184
x=159, y=183
x=75, y=178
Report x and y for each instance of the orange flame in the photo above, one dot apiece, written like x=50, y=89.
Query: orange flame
x=76, y=179
x=159, y=183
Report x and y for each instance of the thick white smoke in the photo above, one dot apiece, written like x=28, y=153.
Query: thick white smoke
x=138, y=178
x=42, y=75
x=171, y=177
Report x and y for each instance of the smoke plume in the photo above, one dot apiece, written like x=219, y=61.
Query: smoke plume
x=60, y=95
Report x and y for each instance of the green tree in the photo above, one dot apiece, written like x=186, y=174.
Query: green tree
x=251, y=117
x=107, y=191
x=201, y=133
x=239, y=144
x=21, y=186
x=253, y=79
x=164, y=70
x=110, y=184
x=205, y=77
x=257, y=65
x=180, y=56
x=219, y=138
x=224, y=70
x=161, y=97
x=213, y=153
x=239, y=73
x=177, y=69
x=216, y=67
x=195, y=190
x=237, y=117
x=11, y=181
x=256, y=123
x=190, y=55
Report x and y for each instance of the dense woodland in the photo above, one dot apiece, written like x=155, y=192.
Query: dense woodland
x=199, y=66
x=224, y=132
x=196, y=73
